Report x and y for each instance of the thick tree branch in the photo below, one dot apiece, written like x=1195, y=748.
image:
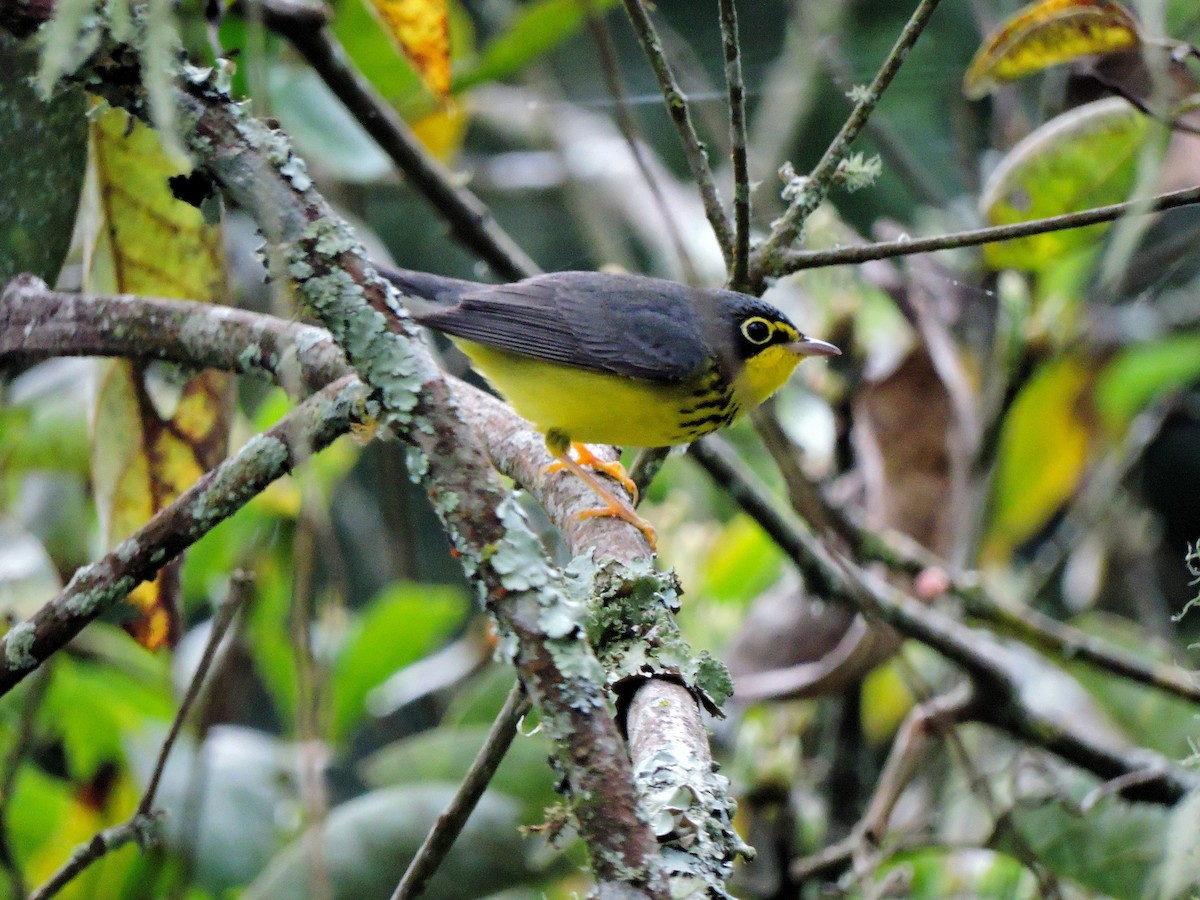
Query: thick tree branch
x=816, y=187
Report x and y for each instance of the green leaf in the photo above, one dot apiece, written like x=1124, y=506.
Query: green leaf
x=1180, y=874
x=1143, y=372
x=244, y=786
x=445, y=754
x=324, y=132
x=537, y=29
x=43, y=151
x=367, y=843
x=934, y=873
x=1086, y=157
x=743, y=563
x=28, y=577
x=401, y=625
x=45, y=804
x=1148, y=716
x=1044, y=447
x=92, y=707
x=1112, y=848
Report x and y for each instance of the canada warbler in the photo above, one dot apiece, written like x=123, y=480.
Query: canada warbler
x=614, y=359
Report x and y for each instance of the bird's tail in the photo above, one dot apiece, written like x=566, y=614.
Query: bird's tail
x=424, y=292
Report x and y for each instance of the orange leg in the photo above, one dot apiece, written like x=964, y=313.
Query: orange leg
x=585, y=457
x=614, y=505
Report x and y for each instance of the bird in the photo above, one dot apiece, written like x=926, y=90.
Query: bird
x=613, y=358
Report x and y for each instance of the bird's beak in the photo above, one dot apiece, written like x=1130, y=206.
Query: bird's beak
x=807, y=346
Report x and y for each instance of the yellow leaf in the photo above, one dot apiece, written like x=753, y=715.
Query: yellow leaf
x=1047, y=34
x=886, y=700
x=421, y=28
x=1043, y=449
x=442, y=131
x=150, y=243
x=1086, y=157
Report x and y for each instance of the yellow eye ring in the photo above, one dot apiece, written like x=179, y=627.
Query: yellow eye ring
x=757, y=330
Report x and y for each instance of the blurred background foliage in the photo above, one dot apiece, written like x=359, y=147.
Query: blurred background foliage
x=356, y=688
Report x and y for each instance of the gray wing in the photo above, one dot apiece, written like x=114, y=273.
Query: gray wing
x=625, y=324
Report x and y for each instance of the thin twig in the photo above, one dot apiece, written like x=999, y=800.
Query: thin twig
x=611, y=68
x=140, y=828
x=835, y=576
x=897, y=156
x=908, y=751
x=796, y=260
x=451, y=822
x=240, y=590
x=143, y=825
x=820, y=179
x=213, y=498
x=738, y=277
x=470, y=220
x=681, y=115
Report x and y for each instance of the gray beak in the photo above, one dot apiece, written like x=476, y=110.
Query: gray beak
x=807, y=346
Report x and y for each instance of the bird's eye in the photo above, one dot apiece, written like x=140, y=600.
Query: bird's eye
x=756, y=330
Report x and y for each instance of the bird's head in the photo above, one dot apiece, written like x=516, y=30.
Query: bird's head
x=760, y=347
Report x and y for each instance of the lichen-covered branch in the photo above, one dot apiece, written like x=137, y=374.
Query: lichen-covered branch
x=642, y=654
x=539, y=614
x=213, y=498
x=37, y=323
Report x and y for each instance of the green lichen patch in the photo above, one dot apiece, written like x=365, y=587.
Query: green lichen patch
x=632, y=626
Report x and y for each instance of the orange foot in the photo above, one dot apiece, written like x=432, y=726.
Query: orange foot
x=614, y=505
x=585, y=457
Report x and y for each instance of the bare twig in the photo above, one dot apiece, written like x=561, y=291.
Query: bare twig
x=450, y=823
x=820, y=179
x=213, y=498
x=681, y=115
x=240, y=590
x=898, y=157
x=797, y=260
x=738, y=277
x=470, y=220
x=610, y=66
x=909, y=750
x=140, y=828
x=143, y=825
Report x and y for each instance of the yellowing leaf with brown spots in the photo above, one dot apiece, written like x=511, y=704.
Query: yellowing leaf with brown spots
x=1047, y=34
x=421, y=28
x=1044, y=448
x=156, y=431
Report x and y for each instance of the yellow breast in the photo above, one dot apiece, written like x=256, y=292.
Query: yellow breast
x=601, y=408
